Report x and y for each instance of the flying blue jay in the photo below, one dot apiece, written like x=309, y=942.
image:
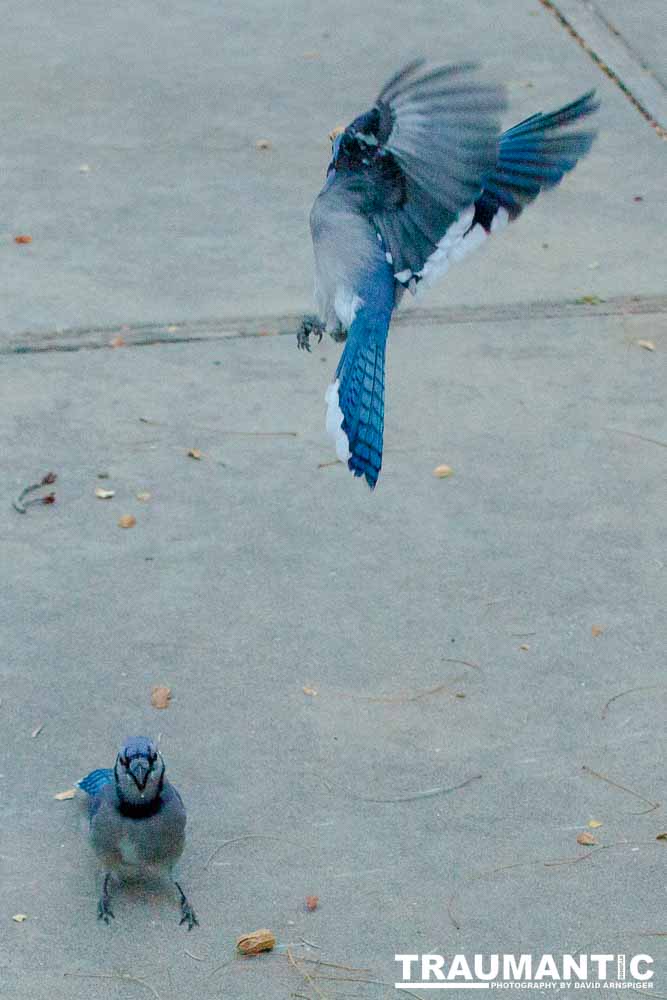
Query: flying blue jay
x=413, y=184
x=137, y=821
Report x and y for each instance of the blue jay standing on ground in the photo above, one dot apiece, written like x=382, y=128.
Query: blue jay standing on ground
x=137, y=821
x=413, y=184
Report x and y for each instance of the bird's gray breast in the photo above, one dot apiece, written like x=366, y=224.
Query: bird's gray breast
x=346, y=246
x=146, y=843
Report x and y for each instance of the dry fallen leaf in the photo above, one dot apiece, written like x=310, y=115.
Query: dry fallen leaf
x=594, y=824
x=127, y=521
x=23, y=239
x=160, y=696
x=586, y=839
x=661, y=836
x=596, y=630
x=19, y=917
x=194, y=453
x=103, y=494
x=256, y=941
x=648, y=345
x=117, y=342
x=443, y=471
x=524, y=646
x=311, y=902
x=144, y=496
x=310, y=691
x=37, y=730
x=263, y=144
x=63, y=796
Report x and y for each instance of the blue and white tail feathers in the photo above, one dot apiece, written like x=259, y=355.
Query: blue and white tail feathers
x=355, y=410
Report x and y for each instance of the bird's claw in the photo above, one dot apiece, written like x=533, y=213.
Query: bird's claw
x=188, y=916
x=309, y=324
x=104, y=911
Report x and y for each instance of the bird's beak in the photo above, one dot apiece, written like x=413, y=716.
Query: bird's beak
x=335, y=132
x=139, y=770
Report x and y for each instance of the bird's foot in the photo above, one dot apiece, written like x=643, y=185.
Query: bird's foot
x=339, y=335
x=188, y=915
x=104, y=911
x=309, y=324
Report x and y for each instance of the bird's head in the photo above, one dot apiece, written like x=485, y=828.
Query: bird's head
x=139, y=771
x=356, y=150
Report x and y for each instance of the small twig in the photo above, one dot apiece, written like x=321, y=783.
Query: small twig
x=400, y=698
x=123, y=976
x=332, y=965
x=595, y=850
x=623, y=788
x=326, y=465
x=428, y=793
x=575, y=861
x=219, y=967
x=310, y=943
x=465, y=663
x=643, y=687
x=268, y=434
x=640, y=437
x=522, y=635
x=248, y=836
x=197, y=958
x=450, y=911
x=305, y=974
x=21, y=504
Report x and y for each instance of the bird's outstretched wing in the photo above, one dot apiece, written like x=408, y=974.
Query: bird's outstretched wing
x=422, y=154
x=534, y=156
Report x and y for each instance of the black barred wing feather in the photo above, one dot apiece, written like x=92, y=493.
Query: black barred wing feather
x=429, y=142
x=534, y=156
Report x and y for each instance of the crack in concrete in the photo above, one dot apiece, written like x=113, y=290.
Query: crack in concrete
x=608, y=48
x=235, y=328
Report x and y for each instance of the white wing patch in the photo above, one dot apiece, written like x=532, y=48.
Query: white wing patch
x=500, y=220
x=457, y=243
x=454, y=245
x=335, y=422
x=346, y=304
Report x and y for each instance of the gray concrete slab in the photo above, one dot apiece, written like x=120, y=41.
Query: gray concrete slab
x=627, y=56
x=181, y=217
x=253, y=573
x=643, y=27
